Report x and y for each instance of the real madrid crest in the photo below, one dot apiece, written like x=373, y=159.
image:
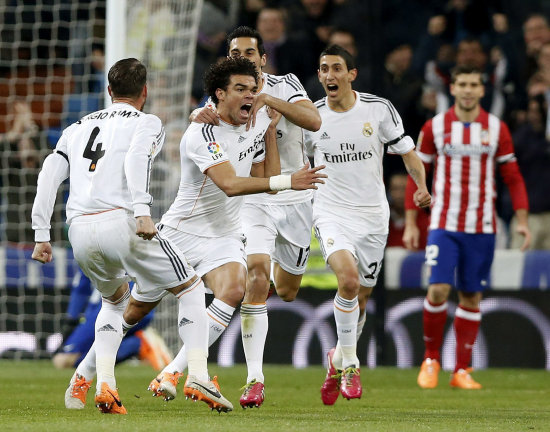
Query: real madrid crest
x=367, y=130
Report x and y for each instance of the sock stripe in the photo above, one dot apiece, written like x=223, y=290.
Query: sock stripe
x=467, y=315
x=345, y=304
x=434, y=308
x=248, y=309
x=216, y=312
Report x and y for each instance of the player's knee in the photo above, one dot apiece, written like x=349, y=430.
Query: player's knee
x=232, y=294
x=287, y=293
x=348, y=285
x=258, y=281
x=438, y=293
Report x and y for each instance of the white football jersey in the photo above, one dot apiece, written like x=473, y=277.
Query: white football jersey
x=201, y=207
x=110, y=154
x=351, y=145
x=290, y=138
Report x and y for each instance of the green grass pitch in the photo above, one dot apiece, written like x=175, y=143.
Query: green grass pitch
x=31, y=399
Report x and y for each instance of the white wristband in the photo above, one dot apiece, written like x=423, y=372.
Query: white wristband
x=280, y=182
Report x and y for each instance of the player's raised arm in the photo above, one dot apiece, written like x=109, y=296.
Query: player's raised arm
x=302, y=113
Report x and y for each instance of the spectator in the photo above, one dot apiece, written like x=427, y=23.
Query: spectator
x=285, y=53
x=312, y=20
x=532, y=150
x=536, y=32
x=19, y=167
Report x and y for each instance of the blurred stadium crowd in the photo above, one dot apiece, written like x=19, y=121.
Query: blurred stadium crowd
x=52, y=72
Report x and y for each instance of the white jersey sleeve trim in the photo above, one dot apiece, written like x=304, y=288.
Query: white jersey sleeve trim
x=404, y=145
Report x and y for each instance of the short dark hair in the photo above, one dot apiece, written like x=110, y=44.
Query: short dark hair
x=465, y=69
x=219, y=74
x=127, y=77
x=337, y=50
x=249, y=32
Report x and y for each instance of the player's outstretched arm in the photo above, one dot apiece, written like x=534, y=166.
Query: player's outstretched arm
x=302, y=113
x=224, y=176
x=42, y=252
x=307, y=178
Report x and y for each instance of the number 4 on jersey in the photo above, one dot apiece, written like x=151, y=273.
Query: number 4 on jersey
x=93, y=155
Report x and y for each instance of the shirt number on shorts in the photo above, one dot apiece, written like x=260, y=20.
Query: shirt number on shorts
x=374, y=267
x=302, y=257
x=432, y=252
x=93, y=155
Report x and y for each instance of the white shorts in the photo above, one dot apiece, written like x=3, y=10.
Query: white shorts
x=109, y=252
x=368, y=249
x=205, y=254
x=281, y=231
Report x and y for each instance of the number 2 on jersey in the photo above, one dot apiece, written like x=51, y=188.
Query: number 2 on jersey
x=93, y=155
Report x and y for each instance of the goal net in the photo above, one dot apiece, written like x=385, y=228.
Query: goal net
x=52, y=72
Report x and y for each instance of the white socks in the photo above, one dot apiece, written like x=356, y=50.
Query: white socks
x=219, y=316
x=108, y=335
x=254, y=326
x=346, y=315
x=195, y=336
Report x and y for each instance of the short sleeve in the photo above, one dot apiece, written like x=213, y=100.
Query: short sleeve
x=203, y=149
x=293, y=91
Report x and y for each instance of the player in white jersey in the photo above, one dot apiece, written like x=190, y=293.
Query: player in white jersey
x=216, y=164
x=277, y=227
x=107, y=156
x=350, y=211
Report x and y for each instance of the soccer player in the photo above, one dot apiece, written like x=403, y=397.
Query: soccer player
x=84, y=305
x=277, y=227
x=465, y=144
x=107, y=156
x=204, y=220
x=350, y=211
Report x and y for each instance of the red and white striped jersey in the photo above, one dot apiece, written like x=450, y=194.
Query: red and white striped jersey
x=465, y=157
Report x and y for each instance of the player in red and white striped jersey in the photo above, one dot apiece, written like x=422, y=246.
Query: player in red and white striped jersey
x=465, y=144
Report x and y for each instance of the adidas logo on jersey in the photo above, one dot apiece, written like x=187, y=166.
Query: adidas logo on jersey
x=325, y=136
x=107, y=327
x=184, y=321
x=241, y=139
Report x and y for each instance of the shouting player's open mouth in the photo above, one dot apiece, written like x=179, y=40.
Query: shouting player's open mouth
x=332, y=89
x=245, y=110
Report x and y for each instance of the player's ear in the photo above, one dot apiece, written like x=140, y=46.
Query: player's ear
x=220, y=93
x=144, y=91
x=109, y=91
x=352, y=74
x=263, y=60
x=319, y=74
